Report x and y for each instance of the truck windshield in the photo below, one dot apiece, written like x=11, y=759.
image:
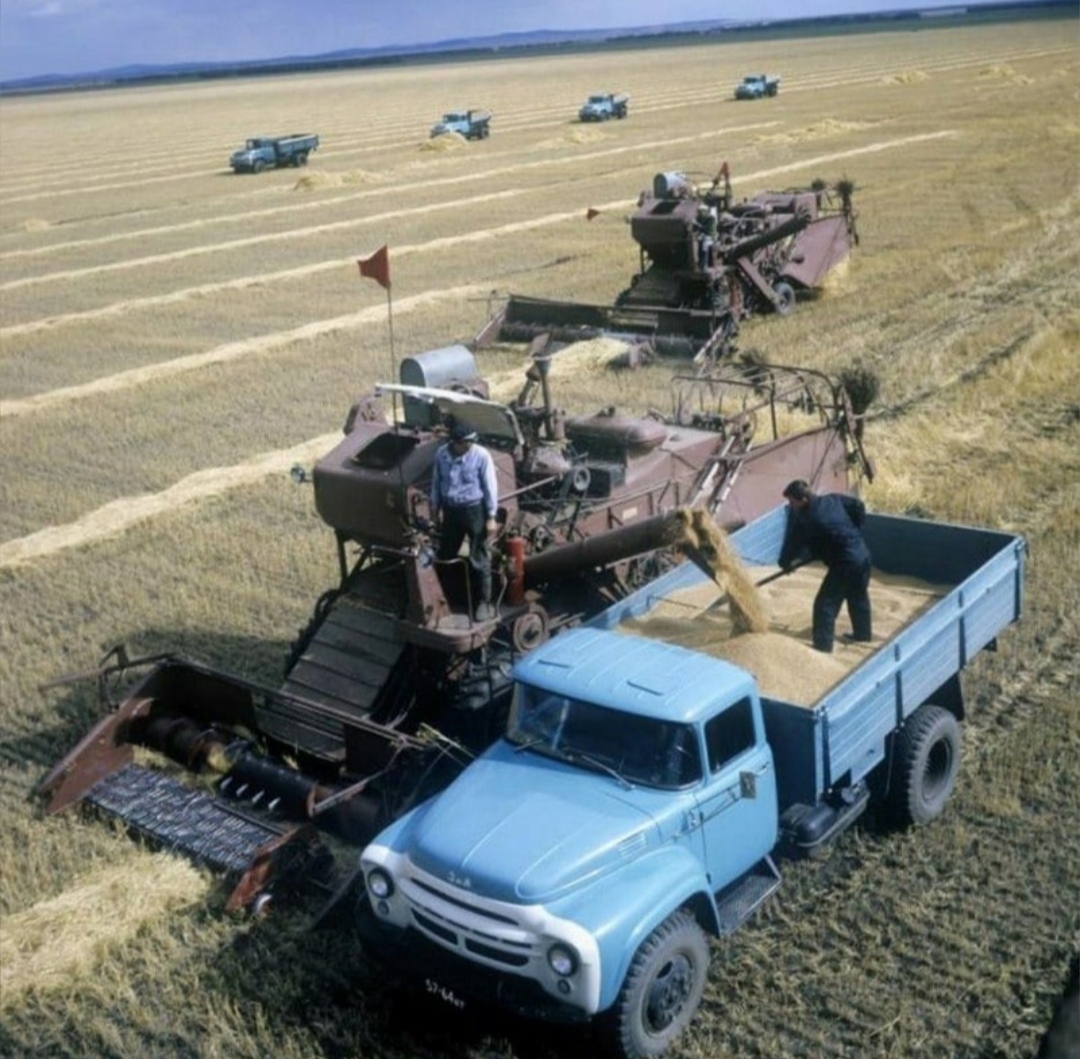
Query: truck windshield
x=641, y=750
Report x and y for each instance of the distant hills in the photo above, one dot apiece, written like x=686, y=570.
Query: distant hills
x=543, y=40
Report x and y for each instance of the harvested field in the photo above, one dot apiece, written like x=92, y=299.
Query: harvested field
x=173, y=337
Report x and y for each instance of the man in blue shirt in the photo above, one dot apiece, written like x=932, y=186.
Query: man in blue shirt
x=829, y=529
x=464, y=499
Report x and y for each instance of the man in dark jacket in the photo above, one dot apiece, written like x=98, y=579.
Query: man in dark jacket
x=829, y=529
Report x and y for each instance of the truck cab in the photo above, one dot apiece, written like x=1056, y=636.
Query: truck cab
x=634, y=783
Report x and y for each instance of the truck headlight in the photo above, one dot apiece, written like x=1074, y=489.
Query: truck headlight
x=562, y=960
x=380, y=884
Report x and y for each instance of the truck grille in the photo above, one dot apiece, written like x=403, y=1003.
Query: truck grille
x=497, y=936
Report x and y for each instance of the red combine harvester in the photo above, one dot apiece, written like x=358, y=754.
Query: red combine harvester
x=707, y=263
x=393, y=684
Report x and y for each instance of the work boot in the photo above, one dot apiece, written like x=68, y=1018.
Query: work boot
x=485, y=612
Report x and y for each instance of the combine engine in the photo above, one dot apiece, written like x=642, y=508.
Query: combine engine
x=706, y=263
x=393, y=684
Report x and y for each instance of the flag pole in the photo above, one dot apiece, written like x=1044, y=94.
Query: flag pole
x=377, y=267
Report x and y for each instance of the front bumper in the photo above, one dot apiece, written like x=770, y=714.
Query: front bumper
x=460, y=983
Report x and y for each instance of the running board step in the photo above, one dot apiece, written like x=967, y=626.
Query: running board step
x=737, y=903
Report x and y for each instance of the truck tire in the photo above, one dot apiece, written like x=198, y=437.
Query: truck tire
x=662, y=990
x=925, y=764
x=785, y=298
x=301, y=158
x=258, y=165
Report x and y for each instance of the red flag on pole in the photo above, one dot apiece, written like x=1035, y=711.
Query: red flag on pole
x=590, y=213
x=377, y=267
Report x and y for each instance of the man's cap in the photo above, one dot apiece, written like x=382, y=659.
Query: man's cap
x=462, y=432
x=799, y=489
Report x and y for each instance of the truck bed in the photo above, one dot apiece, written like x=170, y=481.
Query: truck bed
x=977, y=575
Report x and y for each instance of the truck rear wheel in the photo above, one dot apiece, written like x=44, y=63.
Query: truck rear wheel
x=925, y=764
x=662, y=989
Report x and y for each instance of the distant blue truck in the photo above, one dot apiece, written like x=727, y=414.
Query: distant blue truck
x=472, y=124
x=757, y=86
x=642, y=790
x=270, y=152
x=602, y=106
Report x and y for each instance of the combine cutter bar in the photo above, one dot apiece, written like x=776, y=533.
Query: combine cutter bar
x=210, y=831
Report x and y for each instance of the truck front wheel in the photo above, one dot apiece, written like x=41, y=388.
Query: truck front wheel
x=662, y=989
x=925, y=763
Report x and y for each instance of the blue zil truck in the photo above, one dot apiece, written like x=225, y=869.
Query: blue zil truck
x=575, y=870
x=271, y=152
x=472, y=124
x=603, y=106
x=757, y=86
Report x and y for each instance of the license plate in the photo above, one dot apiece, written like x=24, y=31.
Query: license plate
x=443, y=993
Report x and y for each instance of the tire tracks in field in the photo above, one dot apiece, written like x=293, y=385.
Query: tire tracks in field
x=118, y=308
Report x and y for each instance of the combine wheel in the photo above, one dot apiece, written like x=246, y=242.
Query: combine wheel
x=662, y=990
x=926, y=761
x=785, y=298
x=530, y=629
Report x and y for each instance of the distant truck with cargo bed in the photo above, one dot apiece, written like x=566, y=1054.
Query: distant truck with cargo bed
x=757, y=86
x=472, y=124
x=643, y=788
x=272, y=152
x=603, y=106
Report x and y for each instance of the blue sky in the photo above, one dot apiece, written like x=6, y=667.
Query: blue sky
x=81, y=36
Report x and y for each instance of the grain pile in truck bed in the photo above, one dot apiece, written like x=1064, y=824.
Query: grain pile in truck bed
x=782, y=659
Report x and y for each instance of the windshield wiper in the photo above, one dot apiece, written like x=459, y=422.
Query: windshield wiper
x=587, y=759
x=531, y=744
